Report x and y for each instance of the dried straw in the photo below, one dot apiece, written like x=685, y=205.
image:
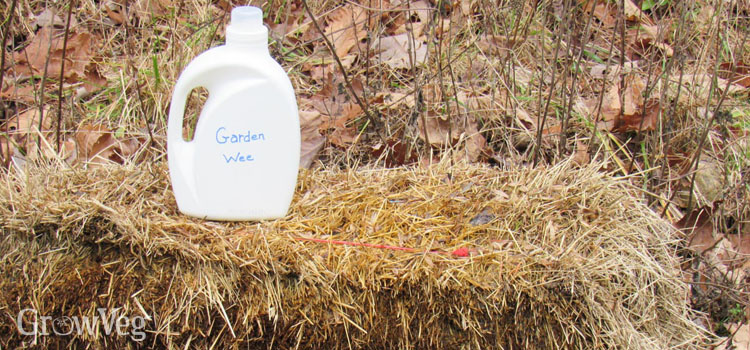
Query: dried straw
x=559, y=258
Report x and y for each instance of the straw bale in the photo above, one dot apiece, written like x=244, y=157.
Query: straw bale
x=560, y=258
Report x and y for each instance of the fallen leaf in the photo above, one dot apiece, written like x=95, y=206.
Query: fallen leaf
x=25, y=93
x=741, y=74
x=581, y=154
x=395, y=153
x=346, y=28
x=146, y=10
x=288, y=22
x=701, y=84
x=609, y=110
x=633, y=115
x=341, y=133
x=741, y=339
x=475, y=147
x=739, y=254
x=698, y=229
x=26, y=123
x=337, y=109
x=497, y=44
x=463, y=128
x=606, y=13
x=646, y=121
x=79, y=66
x=114, y=12
x=312, y=140
x=633, y=94
x=48, y=18
x=434, y=130
x=401, y=52
x=633, y=12
x=95, y=143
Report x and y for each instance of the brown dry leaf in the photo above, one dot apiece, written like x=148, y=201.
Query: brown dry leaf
x=701, y=84
x=475, y=147
x=647, y=121
x=634, y=116
x=288, y=21
x=610, y=108
x=422, y=8
x=312, y=140
x=741, y=74
x=22, y=125
x=633, y=13
x=434, y=129
x=581, y=155
x=342, y=134
x=78, y=60
x=96, y=143
x=461, y=128
x=346, y=28
x=337, y=109
x=49, y=18
x=606, y=14
x=114, y=12
x=395, y=153
x=146, y=10
x=400, y=51
x=698, y=228
x=738, y=255
x=741, y=339
x=24, y=93
x=633, y=94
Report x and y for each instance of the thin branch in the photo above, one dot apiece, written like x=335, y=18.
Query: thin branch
x=360, y=102
x=704, y=136
x=62, y=73
x=543, y=115
x=41, y=92
x=134, y=72
x=9, y=22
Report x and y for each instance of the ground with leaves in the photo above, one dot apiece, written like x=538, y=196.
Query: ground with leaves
x=655, y=90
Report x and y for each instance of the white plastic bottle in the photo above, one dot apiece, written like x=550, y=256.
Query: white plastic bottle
x=243, y=160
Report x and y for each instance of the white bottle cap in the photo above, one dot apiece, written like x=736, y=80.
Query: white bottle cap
x=246, y=26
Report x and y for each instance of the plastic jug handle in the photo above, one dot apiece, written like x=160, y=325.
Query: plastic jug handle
x=186, y=83
x=180, y=152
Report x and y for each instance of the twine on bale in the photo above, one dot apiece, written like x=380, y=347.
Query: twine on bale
x=566, y=258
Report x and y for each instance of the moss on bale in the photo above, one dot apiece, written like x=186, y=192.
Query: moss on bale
x=558, y=258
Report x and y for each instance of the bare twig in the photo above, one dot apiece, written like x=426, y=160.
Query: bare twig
x=134, y=72
x=362, y=104
x=62, y=75
x=41, y=93
x=579, y=59
x=714, y=84
x=543, y=115
x=8, y=23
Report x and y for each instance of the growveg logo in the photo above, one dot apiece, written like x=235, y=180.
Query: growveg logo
x=112, y=322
